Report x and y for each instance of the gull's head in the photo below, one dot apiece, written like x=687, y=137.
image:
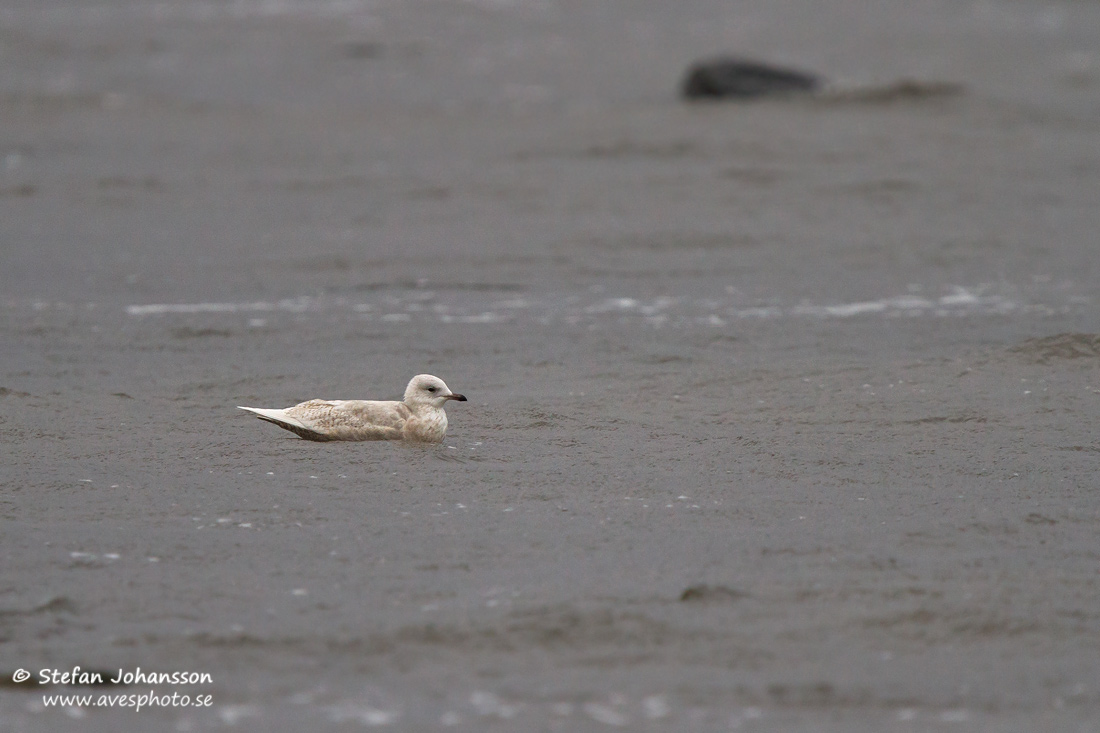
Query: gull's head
x=424, y=389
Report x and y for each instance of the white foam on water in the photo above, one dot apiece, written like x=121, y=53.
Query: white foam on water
x=842, y=311
x=479, y=318
x=961, y=296
x=711, y=312
x=362, y=714
x=233, y=714
x=612, y=304
x=605, y=714
x=294, y=305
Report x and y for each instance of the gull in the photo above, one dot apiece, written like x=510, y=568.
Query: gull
x=419, y=417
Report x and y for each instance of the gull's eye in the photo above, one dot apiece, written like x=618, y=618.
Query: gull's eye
x=431, y=389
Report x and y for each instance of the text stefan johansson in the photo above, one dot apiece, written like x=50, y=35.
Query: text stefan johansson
x=76, y=676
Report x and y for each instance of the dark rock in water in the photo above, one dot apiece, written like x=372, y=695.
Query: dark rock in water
x=733, y=78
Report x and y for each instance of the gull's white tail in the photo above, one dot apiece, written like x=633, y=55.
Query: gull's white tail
x=279, y=417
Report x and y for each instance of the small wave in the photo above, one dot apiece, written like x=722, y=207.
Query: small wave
x=901, y=90
x=296, y=305
x=1059, y=347
x=471, y=308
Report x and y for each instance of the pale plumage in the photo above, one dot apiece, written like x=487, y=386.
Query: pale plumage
x=419, y=417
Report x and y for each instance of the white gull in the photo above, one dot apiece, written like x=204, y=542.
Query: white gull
x=419, y=417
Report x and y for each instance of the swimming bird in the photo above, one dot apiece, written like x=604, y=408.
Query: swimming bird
x=419, y=417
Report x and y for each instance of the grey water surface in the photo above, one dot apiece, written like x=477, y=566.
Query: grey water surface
x=782, y=415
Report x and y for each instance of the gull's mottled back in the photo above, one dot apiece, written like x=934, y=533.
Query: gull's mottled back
x=419, y=417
